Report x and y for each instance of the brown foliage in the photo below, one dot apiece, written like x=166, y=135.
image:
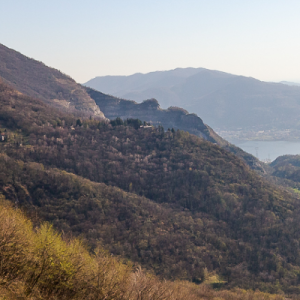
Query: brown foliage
x=53, y=268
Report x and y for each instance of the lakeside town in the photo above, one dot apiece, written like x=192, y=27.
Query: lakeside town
x=259, y=135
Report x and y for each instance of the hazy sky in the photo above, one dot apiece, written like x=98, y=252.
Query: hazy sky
x=90, y=38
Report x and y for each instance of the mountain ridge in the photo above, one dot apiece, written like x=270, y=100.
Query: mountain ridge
x=173, y=117
x=223, y=100
x=35, y=79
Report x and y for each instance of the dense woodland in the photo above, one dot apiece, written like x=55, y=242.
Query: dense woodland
x=180, y=206
x=39, y=263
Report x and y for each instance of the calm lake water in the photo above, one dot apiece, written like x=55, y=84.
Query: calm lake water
x=268, y=150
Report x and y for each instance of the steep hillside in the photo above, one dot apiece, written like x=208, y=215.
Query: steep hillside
x=34, y=79
x=179, y=205
x=172, y=242
x=21, y=113
x=223, y=101
x=39, y=263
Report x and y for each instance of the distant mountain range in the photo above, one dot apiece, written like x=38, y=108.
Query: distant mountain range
x=223, y=100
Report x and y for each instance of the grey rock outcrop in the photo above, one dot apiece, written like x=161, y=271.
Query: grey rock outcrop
x=150, y=111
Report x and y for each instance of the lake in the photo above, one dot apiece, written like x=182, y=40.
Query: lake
x=268, y=150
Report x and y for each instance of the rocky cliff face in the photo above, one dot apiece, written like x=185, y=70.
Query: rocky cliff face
x=150, y=111
x=34, y=79
x=173, y=117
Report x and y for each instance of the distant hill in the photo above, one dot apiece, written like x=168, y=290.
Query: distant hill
x=35, y=79
x=224, y=101
x=150, y=111
x=287, y=167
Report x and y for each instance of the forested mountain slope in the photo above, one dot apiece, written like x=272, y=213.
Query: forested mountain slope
x=34, y=79
x=224, y=101
x=175, y=203
x=173, y=117
x=39, y=263
x=174, y=243
x=287, y=167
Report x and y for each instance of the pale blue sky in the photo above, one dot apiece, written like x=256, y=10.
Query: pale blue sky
x=90, y=38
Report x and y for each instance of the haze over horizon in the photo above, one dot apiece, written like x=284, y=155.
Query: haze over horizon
x=98, y=38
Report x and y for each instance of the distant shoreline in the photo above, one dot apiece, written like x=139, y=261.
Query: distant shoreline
x=287, y=135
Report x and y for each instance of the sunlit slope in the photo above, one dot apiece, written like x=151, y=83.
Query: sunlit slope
x=39, y=263
x=35, y=79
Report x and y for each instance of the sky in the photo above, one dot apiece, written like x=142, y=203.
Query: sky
x=90, y=38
